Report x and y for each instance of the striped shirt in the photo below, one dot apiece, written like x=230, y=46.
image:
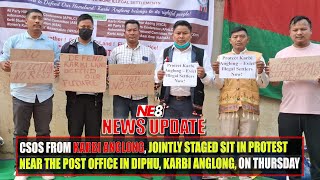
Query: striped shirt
x=125, y=55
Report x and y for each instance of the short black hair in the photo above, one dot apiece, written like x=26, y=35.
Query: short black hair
x=83, y=17
x=182, y=23
x=132, y=21
x=296, y=19
x=238, y=29
x=33, y=11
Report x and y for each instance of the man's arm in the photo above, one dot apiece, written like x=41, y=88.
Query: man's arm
x=206, y=73
x=56, y=51
x=217, y=81
x=112, y=58
x=5, y=57
x=159, y=73
x=152, y=58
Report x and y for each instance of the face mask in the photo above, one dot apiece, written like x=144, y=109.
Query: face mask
x=85, y=33
x=184, y=46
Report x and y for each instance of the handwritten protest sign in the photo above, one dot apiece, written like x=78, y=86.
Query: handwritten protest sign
x=237, y=66
x=84, y=73
x=180, y=74
x=131, y=79
x=31, y=66
x=294, y=68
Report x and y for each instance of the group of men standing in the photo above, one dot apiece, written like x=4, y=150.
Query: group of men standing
x=238, y=114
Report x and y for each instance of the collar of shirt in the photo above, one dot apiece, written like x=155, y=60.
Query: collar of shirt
x=127, y=46
x=242, y=52
x=42, y=36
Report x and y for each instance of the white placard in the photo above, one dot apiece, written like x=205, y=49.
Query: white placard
x=180, y=74
x=237, y=66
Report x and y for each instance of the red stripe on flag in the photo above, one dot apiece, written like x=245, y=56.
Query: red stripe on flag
x=273, y=15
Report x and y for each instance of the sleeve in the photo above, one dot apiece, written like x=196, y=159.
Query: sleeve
x=208, y=70
x=112, y=57
x=159, y=64
x=217, y=81
x=6, y=50
x=152, y=57
x=262, y=79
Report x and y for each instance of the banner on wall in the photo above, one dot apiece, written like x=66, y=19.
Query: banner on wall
x=155, y=16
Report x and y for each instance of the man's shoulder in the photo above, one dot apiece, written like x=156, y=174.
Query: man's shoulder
x=255, y=53
x=65, y=47
x=227, y=53
x=284, y=51
x=197, y=48
x=71, y=42
x=118, y=48
x=315, y=46
x=146, y=48
x=97, y=44
x=17, y=36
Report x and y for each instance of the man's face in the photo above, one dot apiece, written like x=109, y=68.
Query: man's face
x=34, y=21
x=132, y=33
x=239, y=40
x=181, y=35
x=300, y=33
x=85, y=24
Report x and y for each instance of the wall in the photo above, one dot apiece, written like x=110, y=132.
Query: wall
x=268, y=119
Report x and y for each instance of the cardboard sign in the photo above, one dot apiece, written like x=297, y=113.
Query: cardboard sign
x=180, y=74
x=237, y=66
x=294, y=68
x=82, y=73
x=31, y=66
x=33, y=55
x=131, y=79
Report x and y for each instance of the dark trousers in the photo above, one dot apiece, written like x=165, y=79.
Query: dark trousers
x=84, y=111
x=294, y=125
x=181, y=109
x=22, y=113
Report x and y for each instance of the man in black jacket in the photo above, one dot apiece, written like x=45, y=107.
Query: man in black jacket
x=84, y=109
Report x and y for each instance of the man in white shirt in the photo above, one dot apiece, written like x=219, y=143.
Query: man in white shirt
x=183, y=102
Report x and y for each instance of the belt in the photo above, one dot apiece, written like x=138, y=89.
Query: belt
x=180, y=98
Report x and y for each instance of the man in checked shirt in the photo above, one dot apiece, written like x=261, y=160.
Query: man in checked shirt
x=132, y=52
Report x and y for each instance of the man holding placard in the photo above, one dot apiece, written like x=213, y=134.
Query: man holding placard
x=238, y=75
x=84, y=109
x=130, y=53
x=299, y=109
x=27, y=98
x=239, y=95
x=183, y=69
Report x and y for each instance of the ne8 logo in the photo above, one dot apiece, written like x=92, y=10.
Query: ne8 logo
x=150, y=111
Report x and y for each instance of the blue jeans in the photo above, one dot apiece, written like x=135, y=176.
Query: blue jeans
x=123, y=106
